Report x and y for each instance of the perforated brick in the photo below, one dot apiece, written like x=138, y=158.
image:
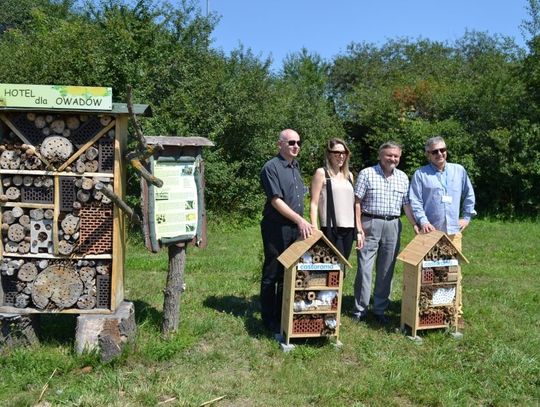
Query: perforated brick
x=307, y=325
x=106, y=155
x=427, y=276
x=432, y=319
x=67, y=193
x=103, y=291
x=27, y=128
x=37, y=195
x=333, y=279
x=9, y=287
x=86, y=131
x=96, y=227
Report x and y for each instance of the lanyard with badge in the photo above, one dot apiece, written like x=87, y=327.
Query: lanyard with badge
x=443, y=179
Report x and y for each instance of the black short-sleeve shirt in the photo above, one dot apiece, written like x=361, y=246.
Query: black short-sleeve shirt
x=282, y=179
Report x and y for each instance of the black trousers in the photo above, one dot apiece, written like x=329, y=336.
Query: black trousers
x=276, y=238
x=343, y=239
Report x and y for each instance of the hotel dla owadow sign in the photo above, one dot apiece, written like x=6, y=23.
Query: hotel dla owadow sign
x=55, y=97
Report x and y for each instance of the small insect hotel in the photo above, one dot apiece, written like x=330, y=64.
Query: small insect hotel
x=312, y=289
x=62, y=247
x=431, y=283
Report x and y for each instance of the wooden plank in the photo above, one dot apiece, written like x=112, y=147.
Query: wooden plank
x=52, y=256
x=88, y=144
x=26, y=141
x=179, y=141
x=27, y=205
x=53, y=173
x=409, y=298
x=288, y=303
x=306, y=335
x=26, y=172
x=119, y=222
x=26, y=311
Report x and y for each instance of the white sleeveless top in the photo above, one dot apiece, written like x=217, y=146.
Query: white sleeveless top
x=343, y=194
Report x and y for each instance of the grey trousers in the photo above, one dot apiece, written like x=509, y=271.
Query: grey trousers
x=381, y=247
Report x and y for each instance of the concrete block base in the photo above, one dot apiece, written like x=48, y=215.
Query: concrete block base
x=108, y=334
x=18, y=330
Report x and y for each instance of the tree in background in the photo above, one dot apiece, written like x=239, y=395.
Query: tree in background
x=480, y=92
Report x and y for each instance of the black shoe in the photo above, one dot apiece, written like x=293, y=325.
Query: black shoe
x=381, y=319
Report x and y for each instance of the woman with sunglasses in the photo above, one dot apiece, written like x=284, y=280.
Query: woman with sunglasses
x=332, y=197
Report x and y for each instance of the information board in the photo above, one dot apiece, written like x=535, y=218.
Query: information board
x=176, y=202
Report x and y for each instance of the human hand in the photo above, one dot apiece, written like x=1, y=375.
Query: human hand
x=360, y=239
x=305, y=228
x=463, y=223
x=427, y=227
x=416, y=229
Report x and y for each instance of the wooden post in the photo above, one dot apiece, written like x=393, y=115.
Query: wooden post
x=174, y=288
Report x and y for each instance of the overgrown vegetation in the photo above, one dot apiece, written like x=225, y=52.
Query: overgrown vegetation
x=222, y=349
x=480, y=92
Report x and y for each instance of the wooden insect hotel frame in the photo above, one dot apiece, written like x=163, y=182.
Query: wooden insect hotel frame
x=431, y=283
x=63, y=240
x=312, y=289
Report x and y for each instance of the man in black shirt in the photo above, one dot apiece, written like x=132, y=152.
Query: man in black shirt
x=282, y=222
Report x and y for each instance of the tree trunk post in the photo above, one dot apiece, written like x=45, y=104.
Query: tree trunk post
x=174, y=288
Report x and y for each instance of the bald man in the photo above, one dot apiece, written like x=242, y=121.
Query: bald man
x=282, y=222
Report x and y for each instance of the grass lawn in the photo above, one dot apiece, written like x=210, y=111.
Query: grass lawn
x=222, y=350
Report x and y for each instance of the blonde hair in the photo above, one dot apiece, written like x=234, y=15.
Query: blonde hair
x=345, y=167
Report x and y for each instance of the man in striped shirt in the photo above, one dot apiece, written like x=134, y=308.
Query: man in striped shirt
x=381, y=191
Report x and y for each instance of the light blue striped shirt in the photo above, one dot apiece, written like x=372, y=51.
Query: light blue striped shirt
x=429, y=186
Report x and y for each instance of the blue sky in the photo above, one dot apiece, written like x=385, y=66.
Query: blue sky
x=278, y=27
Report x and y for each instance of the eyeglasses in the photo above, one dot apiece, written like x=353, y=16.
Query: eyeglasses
x=293, y=142
x=438, y=150
x=345, y=153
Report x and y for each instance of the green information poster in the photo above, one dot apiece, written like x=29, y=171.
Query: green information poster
x=176, y=204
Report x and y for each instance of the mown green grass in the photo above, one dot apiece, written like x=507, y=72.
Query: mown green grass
x=222, y=350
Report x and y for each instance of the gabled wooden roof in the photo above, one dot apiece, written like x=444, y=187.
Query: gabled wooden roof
x=295, y=251
x=416, y=250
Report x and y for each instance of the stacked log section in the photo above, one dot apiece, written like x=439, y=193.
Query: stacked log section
x=26, y=231
x=54, y=285
x=14, y=155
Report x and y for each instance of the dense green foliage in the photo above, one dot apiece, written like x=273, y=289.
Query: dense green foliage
x=480, y=92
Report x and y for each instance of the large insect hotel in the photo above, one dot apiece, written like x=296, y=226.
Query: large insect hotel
x=312, y=289
x=63, y=243
x=431, y=283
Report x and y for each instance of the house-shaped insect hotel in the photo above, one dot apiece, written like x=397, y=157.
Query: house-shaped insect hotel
x=431, y=283
x=63, y=240
x=312, y=288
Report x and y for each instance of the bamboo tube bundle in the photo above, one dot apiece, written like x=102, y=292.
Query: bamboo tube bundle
x=440, y=274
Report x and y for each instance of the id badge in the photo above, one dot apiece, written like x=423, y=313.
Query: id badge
x=446, y=199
